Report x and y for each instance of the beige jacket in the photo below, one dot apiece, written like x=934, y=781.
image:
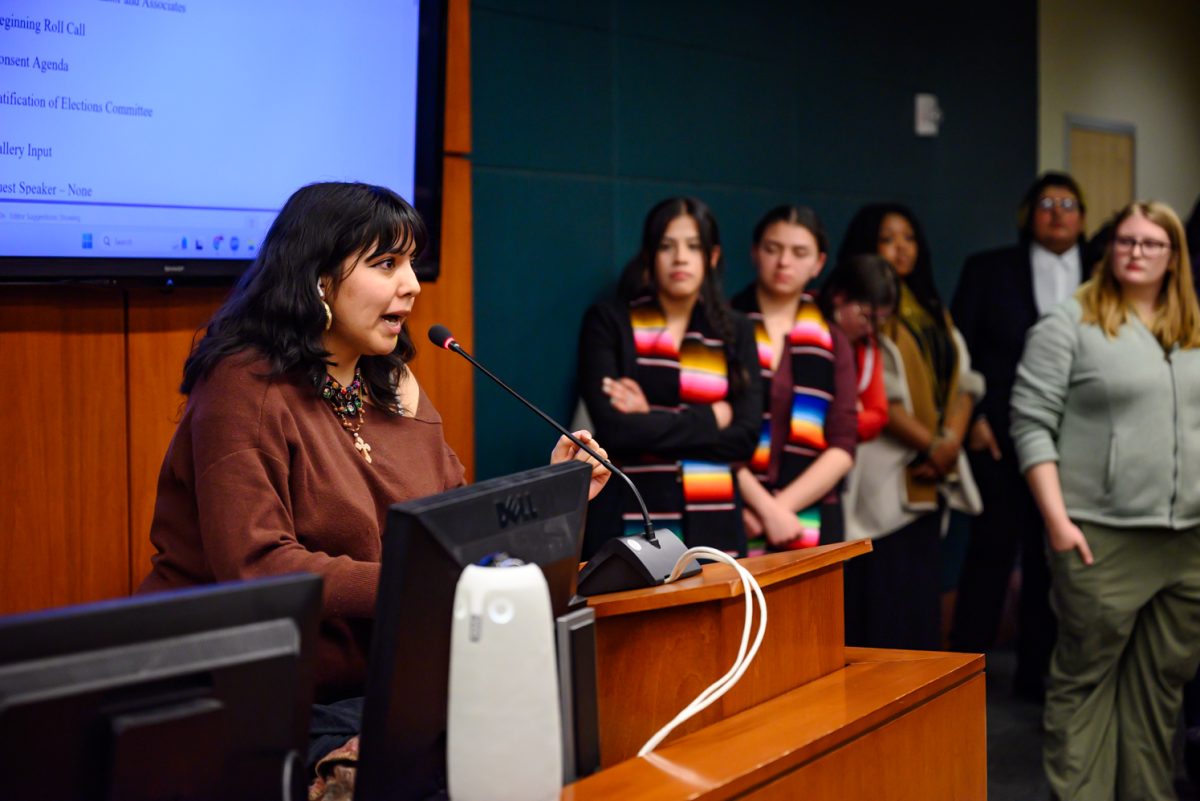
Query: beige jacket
x=879, y=496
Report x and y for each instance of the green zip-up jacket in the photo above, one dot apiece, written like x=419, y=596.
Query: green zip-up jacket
x=1120, y=416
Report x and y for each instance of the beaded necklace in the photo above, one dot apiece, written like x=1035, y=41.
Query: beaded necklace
x=347, y=405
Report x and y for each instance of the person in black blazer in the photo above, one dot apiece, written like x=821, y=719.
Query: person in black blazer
x=1001, y=293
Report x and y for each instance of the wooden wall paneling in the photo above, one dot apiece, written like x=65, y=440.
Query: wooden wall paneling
x=64, y=519
x=457, y=136
x=161, y=327
x=448, y=379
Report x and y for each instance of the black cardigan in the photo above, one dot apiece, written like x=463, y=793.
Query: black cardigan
x=606, y=349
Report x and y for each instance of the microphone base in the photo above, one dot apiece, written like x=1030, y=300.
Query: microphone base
x=631, y=563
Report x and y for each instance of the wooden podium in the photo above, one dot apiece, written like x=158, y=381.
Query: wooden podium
x=810, y=718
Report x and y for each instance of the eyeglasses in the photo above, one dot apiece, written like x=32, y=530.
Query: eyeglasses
x=1063, y=204
x=1150, y=247
x=874, y=316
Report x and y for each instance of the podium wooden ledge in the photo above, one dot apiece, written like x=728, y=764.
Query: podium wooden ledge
x=658, y=647
x=890, y=725
x=718, y=581
x=809, y=719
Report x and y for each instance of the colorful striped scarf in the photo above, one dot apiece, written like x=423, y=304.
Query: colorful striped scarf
x=696, y=499
x=780, y=458
x=700, y=361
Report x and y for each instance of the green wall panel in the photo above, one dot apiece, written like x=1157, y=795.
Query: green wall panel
x=716, y=119
x=541, y=94
x=537, y=284
x=580, y=14
x=585, y=114
x=763, y=31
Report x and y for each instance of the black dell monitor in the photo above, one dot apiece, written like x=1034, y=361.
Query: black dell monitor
x=193, y=694
x=536, y=516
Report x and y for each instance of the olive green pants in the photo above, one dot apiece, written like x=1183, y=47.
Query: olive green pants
x=1128, y=640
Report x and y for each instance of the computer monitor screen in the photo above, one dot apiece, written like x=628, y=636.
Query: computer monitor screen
x=160, y=138
x=537, y=516
x=193, y=694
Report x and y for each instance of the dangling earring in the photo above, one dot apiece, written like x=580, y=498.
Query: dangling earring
x=328, y=311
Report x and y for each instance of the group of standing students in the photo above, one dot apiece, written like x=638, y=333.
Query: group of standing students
x=740, y=421
x=782, y=420
x=787, y=418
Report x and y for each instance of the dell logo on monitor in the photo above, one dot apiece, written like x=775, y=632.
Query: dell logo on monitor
x=516, y=509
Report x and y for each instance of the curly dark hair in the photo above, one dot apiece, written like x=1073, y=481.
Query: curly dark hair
x=638, y=280
x=862, y=236
x=274, y=309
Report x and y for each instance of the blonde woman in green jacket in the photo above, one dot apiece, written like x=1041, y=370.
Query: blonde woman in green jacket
x=1106, y=422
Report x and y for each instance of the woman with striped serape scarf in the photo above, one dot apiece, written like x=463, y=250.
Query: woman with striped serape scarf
x=664, y=373
x=807, y=433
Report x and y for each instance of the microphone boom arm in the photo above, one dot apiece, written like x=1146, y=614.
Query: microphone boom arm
x=452, y=344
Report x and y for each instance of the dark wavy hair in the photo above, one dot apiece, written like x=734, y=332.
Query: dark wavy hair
x=275, y=311
x=795, y=215
x=865, y=278
x=638, y=279
x=862, y=236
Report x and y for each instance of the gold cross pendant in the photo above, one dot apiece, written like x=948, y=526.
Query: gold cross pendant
x=362, y=447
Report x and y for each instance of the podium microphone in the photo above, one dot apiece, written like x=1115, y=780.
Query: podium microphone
x=623, y=563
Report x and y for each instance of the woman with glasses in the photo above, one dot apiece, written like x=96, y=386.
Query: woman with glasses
x=807, y=435
x=1107, y=431
x=903, y=481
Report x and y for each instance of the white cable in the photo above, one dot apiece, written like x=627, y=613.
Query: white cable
x=741, y=663
x=743, y=660
x=744, y=657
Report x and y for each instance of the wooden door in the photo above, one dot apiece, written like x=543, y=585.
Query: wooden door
x=1100, y=157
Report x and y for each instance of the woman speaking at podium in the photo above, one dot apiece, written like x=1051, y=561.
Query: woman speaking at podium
x=664, y=371
x=303, y=421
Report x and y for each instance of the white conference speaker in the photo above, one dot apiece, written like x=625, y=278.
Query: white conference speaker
x=503, y=726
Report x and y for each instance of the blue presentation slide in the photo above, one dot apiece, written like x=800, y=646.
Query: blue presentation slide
x=177, y=128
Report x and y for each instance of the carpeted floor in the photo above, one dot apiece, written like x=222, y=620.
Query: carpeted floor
x=1014, y=737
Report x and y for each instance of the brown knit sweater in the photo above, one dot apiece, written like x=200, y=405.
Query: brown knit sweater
x=261, y=479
